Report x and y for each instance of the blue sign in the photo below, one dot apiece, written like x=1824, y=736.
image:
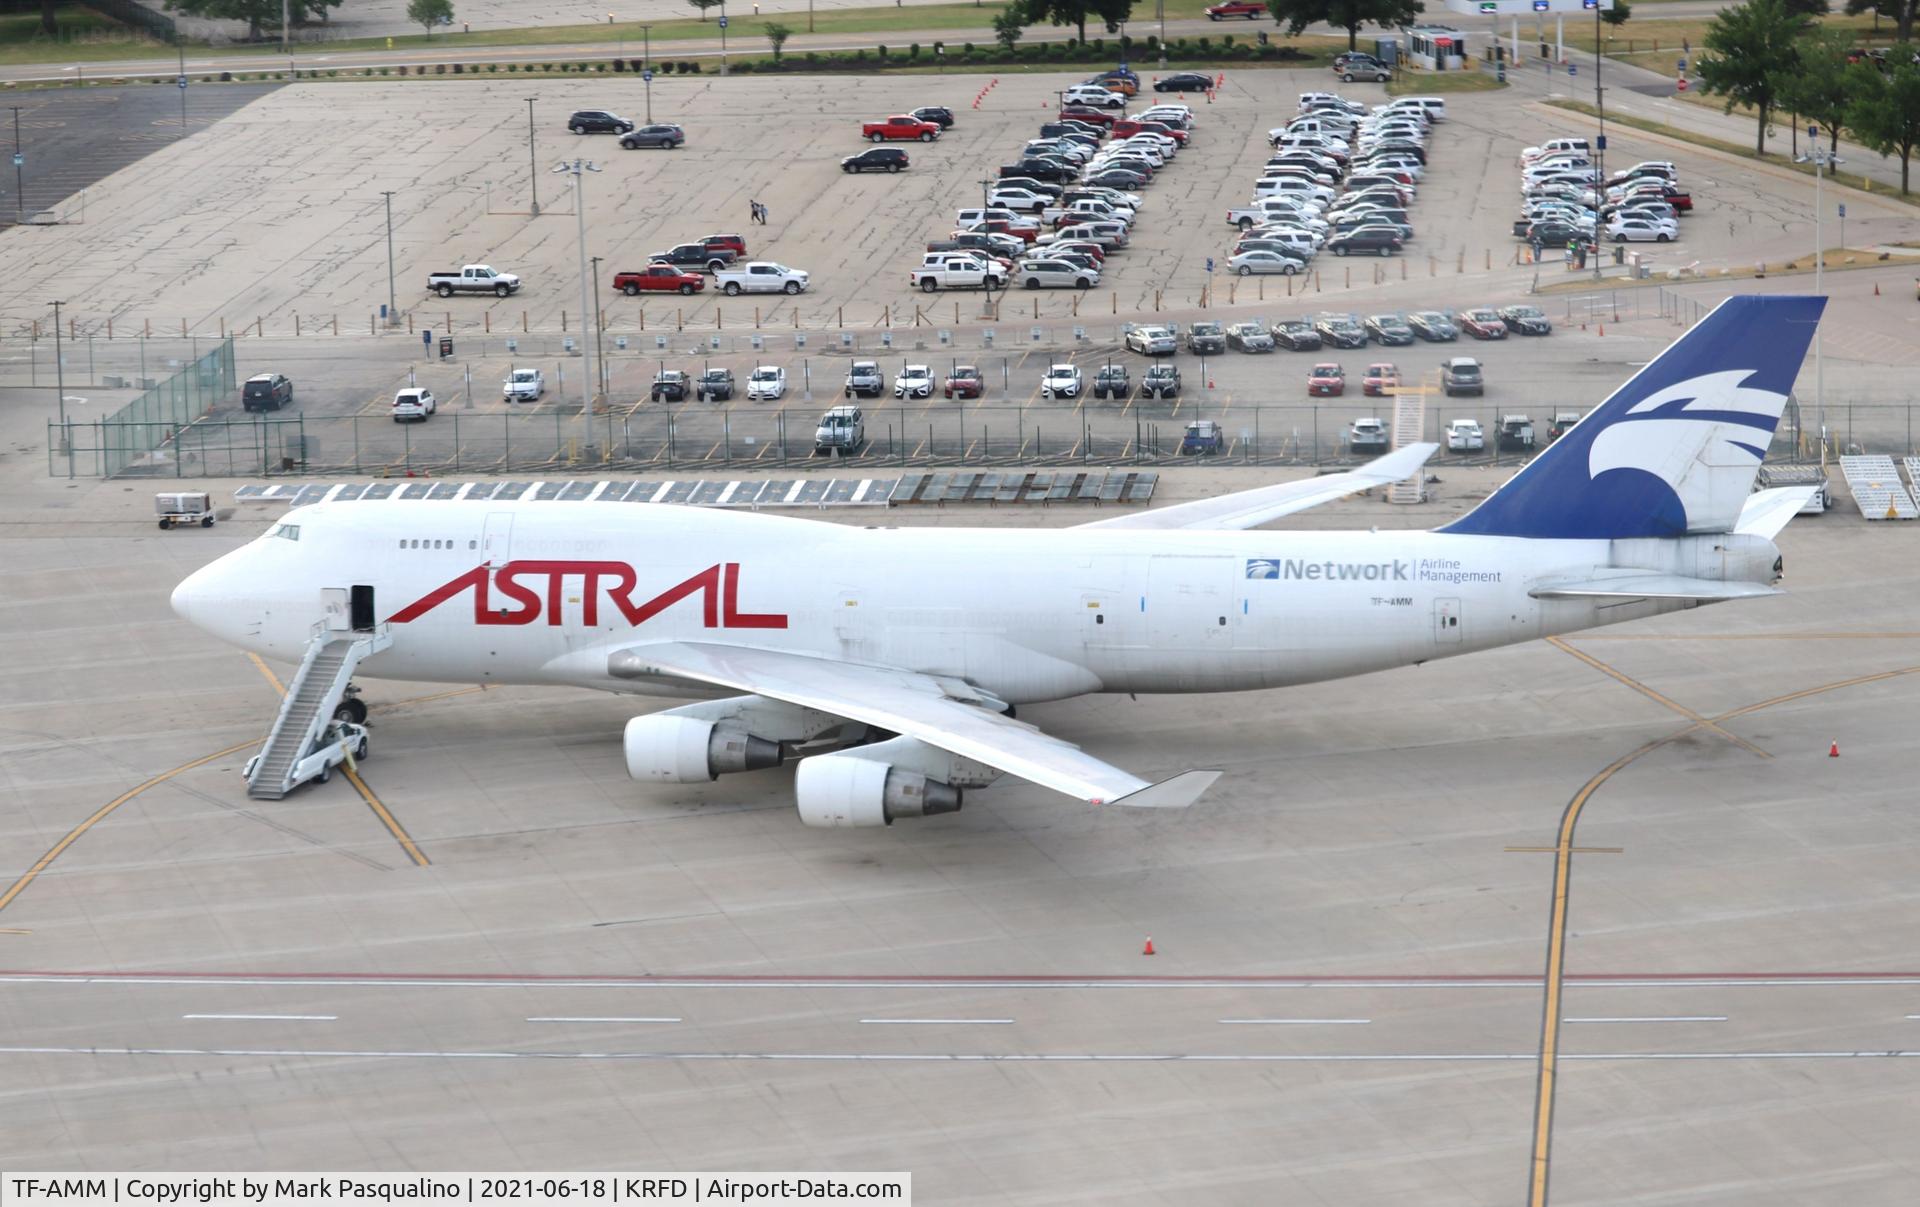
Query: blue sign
x=1573, y=69
x=1539, y=6
x=1601, y=142
x=1843, y=209
x=426, y=337
x=1589, y=3
x=181, y=80
x=1682, y=64
x=646, y=77
x=723, y=23
x=1209, y=263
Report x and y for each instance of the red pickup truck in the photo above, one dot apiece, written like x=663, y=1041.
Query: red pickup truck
x=899, y=126
x=1249, y=9
x=658, y=278
x=1128, y=127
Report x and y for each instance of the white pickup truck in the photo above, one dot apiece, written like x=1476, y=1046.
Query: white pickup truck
x=474, y=278
x=1085, y=210
x=760, y=276
x=957, y=272
x=1271, y=209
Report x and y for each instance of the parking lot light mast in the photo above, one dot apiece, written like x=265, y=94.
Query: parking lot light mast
x=1821, y=160
x=19, y=173
x=60, y=388
x=599, y=344
x=578, y=169
x=533, y=165
x=1600, y=147
x=986, y=283
x=393, y=306
x=646, y=66
x=181, y=47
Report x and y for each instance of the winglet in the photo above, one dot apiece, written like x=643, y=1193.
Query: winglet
x=1175, y=793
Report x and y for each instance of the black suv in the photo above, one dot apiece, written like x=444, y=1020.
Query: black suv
x=878, y=159
x=714, y=385
x=266, y=392
x=1380, y=240
x=1039, y=169
x=670, y=385
x=939, y=115
x=598, y=121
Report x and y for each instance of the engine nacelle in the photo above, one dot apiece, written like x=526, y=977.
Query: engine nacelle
x=845, y=790
x=687, y=750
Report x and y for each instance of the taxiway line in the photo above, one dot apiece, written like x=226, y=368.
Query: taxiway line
x=289, y=1018
x=1622, y=677
x=429, y=980
x=1662, y=1018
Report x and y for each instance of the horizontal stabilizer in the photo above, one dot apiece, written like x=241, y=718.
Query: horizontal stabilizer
x=1768, y=511
x=1640, y=585
x=1247, y=508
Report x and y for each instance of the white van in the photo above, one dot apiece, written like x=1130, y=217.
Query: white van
x=1553, y=146
x=1434, y=108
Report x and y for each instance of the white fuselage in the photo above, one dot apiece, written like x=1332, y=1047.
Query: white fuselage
x=545, y=592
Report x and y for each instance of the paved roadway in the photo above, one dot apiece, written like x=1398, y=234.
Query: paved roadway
x=1345, y=1005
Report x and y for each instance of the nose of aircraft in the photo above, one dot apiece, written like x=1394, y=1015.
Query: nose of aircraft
x=185, y=595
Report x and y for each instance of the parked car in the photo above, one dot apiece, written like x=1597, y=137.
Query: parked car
x=473, y=278
x=1380, y=240
x=1462, y=375
x=1162, y=380
x=1250, y=336
x=965, y=382
x=766, y=384
x=709, y=256
x=1380, y=377
x=670, y=385
x=598, y=121
x=1184, y=81
x=1367, y=437
x=1326, y=380
x=1389, y=330
x=714, y=385
x=913, y=381
x=1526, y=320
x=659, y=278
x=864, y=380
x=1516, y=434
x=1203, y=439
x=1055, y=274
x=876, y=159
x=1150, y=341
x=414, y=403
x=1295, y=335
x=1112, y=382
x=1061, y=381
x=1433, y=326
x=939, y=115
x=1094, y=94
x=1252, y=10
x=900, y=126
x=266, y=392
x=760, y=276
x=1341, y=331
x=1206, y=338
x=1261, y=260
x=524, y=385
x=1464, y=436
x=666, y=136
x=1563, y=422
x=841, y=430
x=1484, y=322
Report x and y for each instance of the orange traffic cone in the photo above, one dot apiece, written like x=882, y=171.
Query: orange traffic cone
x=1603, y=328
x=1876, y=289
x=1148, y=950
x=1833, y=752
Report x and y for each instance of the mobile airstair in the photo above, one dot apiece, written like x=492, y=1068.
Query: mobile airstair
x=1409, y=427
x=307, y=741
x=1877, y=489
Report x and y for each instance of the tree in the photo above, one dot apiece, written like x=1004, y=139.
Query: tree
x=1900, y=12
x=1008, y=26
x=1618, y=14
x=47, y=24
x=429, y=13
x=1822, y=88
x=1749, y=54
x=777, y=34
x=1885, y=113
x=258, y=14
x=1111, y=13
x=704, y=5
x=1349, y=15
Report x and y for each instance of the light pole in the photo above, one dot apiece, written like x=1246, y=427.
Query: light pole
x=723, y=37
x=646, y=66
x=1821, y=160
x=578, y=169
x=181, y=80
x=1600, y=146
x=599, y=345
x=1160, y=11
x=986, y=282
x=19, y=169
x=60, y=388
x=533, y=165
x=393, y=306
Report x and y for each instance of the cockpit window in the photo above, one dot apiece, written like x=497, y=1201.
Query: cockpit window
x=286, y=532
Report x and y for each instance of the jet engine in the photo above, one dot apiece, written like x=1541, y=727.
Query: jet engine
x=846, y=790
x=690, y=750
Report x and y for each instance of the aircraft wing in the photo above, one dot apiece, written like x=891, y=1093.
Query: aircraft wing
x=1247, y=508
x=915, y=705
